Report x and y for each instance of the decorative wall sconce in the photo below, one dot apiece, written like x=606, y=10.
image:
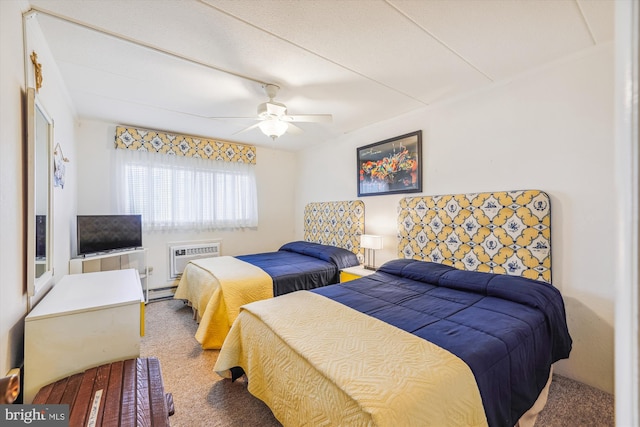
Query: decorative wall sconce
x=58, y=166
x=370, y=243
x=37, y=70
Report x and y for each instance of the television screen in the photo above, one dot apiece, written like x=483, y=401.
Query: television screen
x=41, y=236
x=101, y=233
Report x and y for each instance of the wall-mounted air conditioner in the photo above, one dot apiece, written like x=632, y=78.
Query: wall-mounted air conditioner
x=181, y=254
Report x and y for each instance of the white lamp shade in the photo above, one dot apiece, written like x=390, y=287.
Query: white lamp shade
x=273, y=127
x=369, y=241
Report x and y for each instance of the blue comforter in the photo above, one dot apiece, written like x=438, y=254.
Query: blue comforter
x=302, y=265
x=509, y=330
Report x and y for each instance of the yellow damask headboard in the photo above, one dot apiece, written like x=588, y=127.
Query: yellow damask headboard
x=506, y=232
x=335, y=223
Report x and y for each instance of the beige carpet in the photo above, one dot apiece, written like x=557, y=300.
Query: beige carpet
x=202, y=398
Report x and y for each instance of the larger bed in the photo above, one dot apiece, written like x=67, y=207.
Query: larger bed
x=418, y=342
x=217, y=287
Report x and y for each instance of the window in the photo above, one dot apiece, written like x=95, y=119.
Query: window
x=175, y=192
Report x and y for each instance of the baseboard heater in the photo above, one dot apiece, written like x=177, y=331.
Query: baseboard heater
x=180, y=255
x=159, y=294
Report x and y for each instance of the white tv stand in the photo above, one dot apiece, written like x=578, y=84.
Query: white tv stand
x=114, y=260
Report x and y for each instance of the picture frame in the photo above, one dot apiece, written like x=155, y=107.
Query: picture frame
x=391, y=166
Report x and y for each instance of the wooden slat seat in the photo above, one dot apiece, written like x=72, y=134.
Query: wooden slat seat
x=124, y=393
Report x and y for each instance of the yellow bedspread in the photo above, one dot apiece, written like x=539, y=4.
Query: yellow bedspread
x=314, y=361
x=216, y=288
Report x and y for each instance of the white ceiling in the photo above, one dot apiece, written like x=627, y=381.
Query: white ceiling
x=170, y=64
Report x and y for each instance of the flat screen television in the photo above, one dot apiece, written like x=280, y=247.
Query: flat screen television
x=104, y=233
x=41, y=236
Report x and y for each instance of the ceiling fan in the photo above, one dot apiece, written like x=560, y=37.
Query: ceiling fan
x=273, y=119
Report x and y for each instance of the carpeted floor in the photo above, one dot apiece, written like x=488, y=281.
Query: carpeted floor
x=202, y=398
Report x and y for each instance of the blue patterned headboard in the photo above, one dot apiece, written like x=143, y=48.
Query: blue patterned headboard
x=505, y=232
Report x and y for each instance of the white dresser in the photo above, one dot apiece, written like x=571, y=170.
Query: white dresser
x=86, y=320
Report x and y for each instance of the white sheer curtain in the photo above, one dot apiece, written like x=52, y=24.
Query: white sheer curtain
x=175, y=192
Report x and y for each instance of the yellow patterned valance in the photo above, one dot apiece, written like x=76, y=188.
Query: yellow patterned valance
x=507, y=232
x=182, y=145
x=335, y=223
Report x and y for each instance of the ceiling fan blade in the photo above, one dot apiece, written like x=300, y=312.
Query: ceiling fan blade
x=294, y=129
x=273, y=119
x=249, y=128
x=315, y=118
x=232, y=118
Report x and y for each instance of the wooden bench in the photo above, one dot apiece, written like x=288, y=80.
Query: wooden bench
x=123, y=393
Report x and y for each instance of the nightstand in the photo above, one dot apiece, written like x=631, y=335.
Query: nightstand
x=352, y=273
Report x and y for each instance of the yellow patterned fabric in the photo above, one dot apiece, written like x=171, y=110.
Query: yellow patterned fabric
x=181, y=145
x=217, y=287
x=335, y=223
x=506, y=232
x=293, y=350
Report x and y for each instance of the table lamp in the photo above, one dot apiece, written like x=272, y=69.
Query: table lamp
x=370, y=243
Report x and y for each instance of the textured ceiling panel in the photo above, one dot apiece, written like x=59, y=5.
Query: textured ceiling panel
x=363, y=61
x=503, y=37
x=370, y=38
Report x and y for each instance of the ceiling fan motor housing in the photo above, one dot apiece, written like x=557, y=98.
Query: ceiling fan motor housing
x=271, y=109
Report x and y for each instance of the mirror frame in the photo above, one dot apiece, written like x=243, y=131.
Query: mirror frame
x=36, y=284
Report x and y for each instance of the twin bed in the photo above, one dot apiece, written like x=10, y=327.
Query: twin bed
x=462, y=329
x=216, y=288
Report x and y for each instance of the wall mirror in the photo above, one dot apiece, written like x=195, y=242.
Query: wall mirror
x=39, y=195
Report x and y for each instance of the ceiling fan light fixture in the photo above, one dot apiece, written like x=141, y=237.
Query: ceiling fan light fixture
x=273, y=127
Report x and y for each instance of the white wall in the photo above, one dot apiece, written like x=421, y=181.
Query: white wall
x=55, y=99
x=12, y=180
x=12, y=249
x=549, y=129
x=276, y=180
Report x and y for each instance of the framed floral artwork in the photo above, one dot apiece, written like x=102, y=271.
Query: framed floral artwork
x=391, y=166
